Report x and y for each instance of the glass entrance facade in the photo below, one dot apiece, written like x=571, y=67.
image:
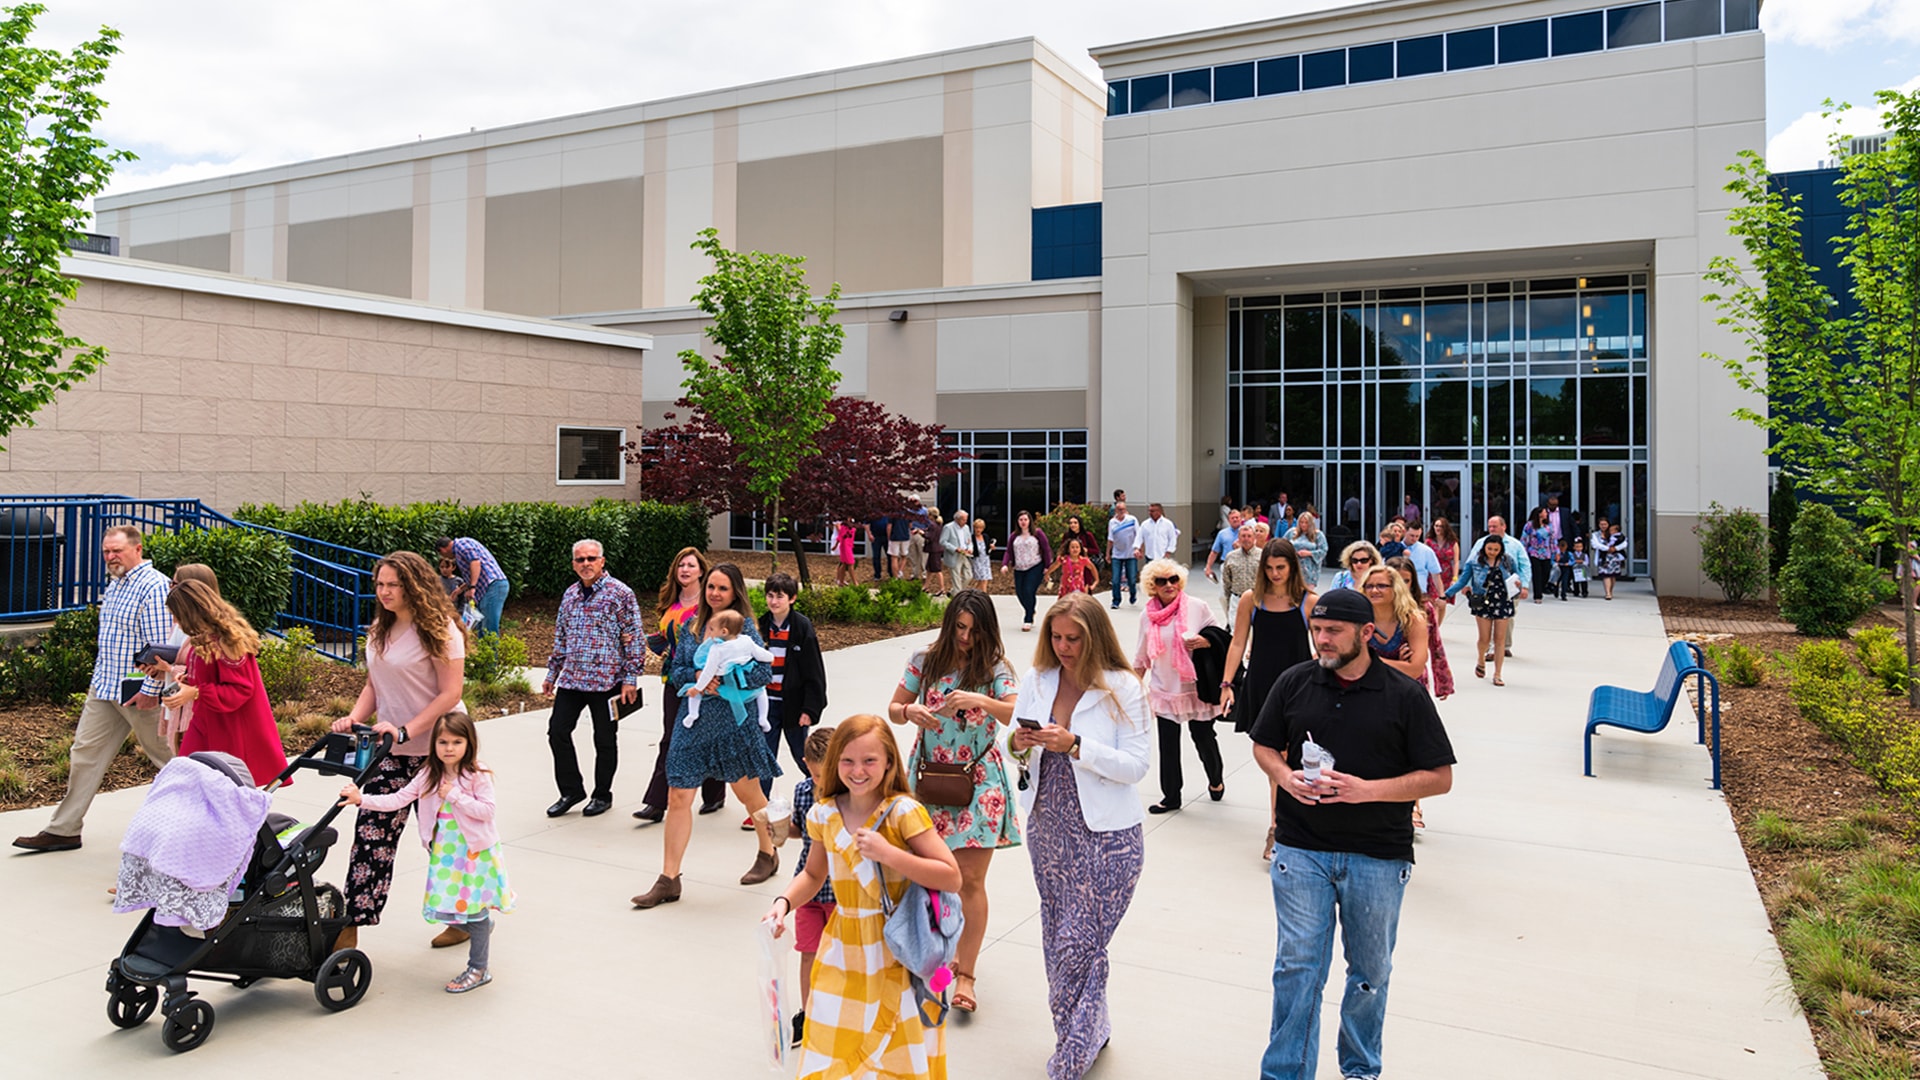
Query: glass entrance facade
x=1501, y=390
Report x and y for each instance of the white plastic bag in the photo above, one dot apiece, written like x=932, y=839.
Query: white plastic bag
x=770, y=1000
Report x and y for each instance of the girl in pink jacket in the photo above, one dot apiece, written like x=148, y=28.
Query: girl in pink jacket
x=465, y=879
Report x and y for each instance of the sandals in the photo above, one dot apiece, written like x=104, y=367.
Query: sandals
x=1498, y=681
x=962, y=1000
x=470, y=979
x=1480, y=671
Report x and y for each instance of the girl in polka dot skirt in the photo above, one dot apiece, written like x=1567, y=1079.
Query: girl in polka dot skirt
x=465, y=880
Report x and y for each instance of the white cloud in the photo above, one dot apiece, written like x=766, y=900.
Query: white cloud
x=1807, y=141
x=1829, y=24
x=207, y=87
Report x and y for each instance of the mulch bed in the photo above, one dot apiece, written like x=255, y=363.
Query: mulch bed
x=1773, y=758
x=26, y=729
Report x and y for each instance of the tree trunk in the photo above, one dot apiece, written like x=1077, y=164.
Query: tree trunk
x=799, y=555
x=1901, y=535
x=773, y=530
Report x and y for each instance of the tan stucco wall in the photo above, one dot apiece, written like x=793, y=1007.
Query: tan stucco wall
x=234, y=400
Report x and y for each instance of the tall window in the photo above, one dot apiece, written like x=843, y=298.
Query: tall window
x=1005, y=472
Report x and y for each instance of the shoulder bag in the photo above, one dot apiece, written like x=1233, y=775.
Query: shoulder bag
x=923, y=933
x=939, y=783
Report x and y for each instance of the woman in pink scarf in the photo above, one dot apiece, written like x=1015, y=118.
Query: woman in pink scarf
x=1169, y=632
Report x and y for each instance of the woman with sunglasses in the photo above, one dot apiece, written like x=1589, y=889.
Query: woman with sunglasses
x=1355, y=561
x=1270, y=630
x=1169, y=634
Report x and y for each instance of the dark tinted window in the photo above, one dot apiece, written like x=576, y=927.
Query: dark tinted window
x=1192, y=87
x=1636, y=25
x=1692, y=18
x=1743, y=15
x=1281, y=76
x=1422, y=56
x=1117, y=98
x=1523, y=41
x=1231, y=82
x=1149, y=93
x=1583, y=33
x=1370, y=63
x=1469, y=49
x=1323, y=69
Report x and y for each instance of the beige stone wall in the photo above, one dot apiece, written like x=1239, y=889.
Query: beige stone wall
x=232, y=400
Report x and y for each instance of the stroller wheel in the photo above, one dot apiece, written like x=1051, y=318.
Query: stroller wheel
x=131, y=1004
x=342, y=980
x=187, y=1026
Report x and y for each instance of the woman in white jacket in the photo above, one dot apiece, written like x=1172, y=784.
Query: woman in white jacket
x=1083, y=737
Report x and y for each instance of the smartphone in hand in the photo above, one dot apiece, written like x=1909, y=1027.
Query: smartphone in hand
x=1029, y=724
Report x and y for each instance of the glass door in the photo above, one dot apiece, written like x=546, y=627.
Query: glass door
x=1607, y=497
x=1446, y=498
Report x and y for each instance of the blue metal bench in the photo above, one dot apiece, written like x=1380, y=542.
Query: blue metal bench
x=1637, y=710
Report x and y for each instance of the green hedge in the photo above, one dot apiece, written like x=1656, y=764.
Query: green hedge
x=1093, y=519
x=255, y=568
x=54, y=666
x=1854, y=708
x=532, y=541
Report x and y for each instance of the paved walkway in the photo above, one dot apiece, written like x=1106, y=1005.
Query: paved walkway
x=1556, y=926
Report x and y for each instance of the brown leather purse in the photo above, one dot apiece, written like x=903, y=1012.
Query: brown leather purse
x=939, y=783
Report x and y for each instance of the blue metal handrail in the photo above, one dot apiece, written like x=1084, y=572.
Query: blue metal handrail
x=45, y=572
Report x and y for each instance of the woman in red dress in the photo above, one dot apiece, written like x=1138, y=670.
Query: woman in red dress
x=230, y=712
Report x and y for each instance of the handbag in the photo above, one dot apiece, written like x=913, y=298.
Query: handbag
x=923, y=933
x=943, y=783
x=940, y=783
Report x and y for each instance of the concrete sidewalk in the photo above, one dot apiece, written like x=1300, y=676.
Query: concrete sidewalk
x=1556, y=926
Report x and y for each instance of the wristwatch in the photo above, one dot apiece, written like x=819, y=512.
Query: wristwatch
x=1074, y=750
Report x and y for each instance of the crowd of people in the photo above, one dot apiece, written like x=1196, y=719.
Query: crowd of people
x=1336, y=686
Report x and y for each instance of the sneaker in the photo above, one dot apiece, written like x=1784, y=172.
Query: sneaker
x=747, y=825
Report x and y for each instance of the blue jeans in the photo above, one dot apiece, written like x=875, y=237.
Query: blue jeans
x=1026, y=584
x=1308, y=888
x=492, y=600
x=1127, y=570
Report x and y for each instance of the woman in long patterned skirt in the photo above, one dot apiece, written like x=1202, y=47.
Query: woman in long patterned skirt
x=1083, y=712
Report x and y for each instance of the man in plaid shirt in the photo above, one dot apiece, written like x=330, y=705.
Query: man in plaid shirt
x=599, y=650
x=133, y=615
x=481, y=579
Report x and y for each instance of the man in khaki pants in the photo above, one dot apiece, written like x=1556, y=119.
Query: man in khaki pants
x=133, y=615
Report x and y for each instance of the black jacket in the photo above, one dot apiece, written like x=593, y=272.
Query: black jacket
x=803, y=679
x=1209, y=662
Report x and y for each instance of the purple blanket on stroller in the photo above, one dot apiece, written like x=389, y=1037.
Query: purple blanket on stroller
x=188, y=844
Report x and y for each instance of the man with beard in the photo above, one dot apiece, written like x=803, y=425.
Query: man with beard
x=1344, y=831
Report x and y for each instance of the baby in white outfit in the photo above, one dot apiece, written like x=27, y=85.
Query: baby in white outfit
x=725, y=649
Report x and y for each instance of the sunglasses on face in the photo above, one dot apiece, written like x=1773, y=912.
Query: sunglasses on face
x=1163, y=582
x=1361, y=560
x=1376, y=586
x=586, y=558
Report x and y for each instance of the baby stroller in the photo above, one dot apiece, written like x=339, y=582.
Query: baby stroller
x=279, y=922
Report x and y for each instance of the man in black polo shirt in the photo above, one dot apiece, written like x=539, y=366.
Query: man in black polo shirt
x=1344, y=842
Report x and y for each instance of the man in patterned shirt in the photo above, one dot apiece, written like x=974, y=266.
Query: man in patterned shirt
x=599, y=651
x=481, y=578
x=133, y=615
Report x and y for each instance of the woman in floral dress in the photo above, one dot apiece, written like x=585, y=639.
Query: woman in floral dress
x=958, y=691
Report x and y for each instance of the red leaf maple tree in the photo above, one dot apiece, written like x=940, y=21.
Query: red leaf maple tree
x=871, y=463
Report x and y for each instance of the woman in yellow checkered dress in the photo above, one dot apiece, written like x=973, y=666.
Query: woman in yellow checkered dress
x=862, y=1020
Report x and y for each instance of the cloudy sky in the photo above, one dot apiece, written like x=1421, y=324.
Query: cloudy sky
x=208, y=87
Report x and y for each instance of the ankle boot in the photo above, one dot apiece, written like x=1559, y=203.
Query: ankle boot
x=349, y=938
x=665, y=891
x=764, y=865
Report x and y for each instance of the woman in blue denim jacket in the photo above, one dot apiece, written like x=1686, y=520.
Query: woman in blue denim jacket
x=1485, y=580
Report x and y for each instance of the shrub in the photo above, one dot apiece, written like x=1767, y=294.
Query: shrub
x=1733, y=551
x=255, y=568
x=532, y=541
x=493, y=657
x=1884, y=657
x=1739, y=664
x=57, y=665
x=1782, y=508
x=287, y=665
x=1825, y=586
x=1054, y=523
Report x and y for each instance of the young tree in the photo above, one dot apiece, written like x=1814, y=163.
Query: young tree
x=50, y=163
x=871, y=462
x=769, y=387
x=1842, y=381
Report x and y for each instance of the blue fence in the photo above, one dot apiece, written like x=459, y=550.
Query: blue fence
x=50, y=562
